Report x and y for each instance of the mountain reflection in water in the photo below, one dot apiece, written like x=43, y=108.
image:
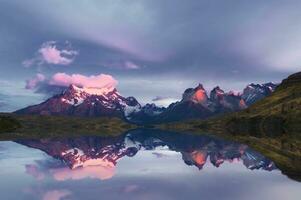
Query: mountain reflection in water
x=139, y=165
x=97, y=157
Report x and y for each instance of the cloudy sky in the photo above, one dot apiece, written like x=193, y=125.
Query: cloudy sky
x=150, y=49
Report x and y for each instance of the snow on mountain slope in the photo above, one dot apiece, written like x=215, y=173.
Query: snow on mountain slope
x=254, y=92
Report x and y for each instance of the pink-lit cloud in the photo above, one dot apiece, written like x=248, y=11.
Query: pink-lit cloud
x=97, y=169
x=50, y=53
x=35, y=81
x=59, y=81
x=95, y=81
x=95, y=172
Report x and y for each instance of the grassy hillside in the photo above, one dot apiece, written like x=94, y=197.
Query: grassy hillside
x=33, y=126
x=280, y=110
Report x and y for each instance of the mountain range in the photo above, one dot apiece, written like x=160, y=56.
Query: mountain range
x=107, y=102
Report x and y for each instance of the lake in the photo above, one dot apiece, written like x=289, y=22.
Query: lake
x=140, y=164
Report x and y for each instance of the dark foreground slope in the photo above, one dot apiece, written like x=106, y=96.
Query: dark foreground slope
x=279, y=113
x=8, y=124
x=14, y=126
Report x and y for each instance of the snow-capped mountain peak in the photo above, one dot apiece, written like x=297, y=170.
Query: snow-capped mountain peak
x=254, y=92
x=90, y=90
x=86, y=102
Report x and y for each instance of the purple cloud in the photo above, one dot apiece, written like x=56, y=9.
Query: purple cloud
x=56, y=194
x=131, y=65
x=33, y=83
x=164, y=101
x=121, y=64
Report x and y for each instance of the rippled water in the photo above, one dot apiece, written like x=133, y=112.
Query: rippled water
x=139, y=165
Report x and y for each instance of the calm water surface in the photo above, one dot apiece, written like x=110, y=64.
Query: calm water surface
x=141, y=164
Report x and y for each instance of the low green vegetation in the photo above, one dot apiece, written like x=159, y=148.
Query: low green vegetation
x=8, y=124
x=36, y=126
